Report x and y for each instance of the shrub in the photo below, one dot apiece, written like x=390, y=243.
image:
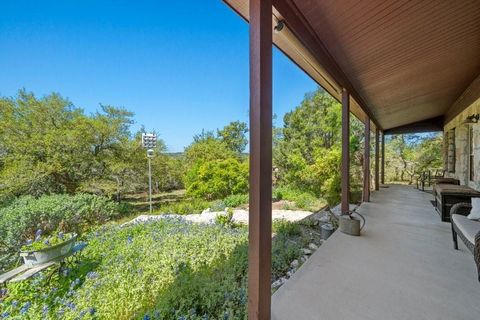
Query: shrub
x=285, y=227
x=185, y=207
x=284, y=251
x=235, y=200
x=218, y=205
x=225, y=219
x=217, y=179
x=302, y=199
x=24, y=216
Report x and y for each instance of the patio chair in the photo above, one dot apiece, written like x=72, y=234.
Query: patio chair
x=468, y=230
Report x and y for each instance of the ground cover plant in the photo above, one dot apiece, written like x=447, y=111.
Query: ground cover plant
x=55, y=213
x=166, y=269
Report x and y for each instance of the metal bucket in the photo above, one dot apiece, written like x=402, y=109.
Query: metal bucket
x=326, y=231
x=351, y=225
x=48, y=254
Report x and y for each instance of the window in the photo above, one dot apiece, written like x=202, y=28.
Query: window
x=471, y=163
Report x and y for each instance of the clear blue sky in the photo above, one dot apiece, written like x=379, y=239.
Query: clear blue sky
x=180, y=66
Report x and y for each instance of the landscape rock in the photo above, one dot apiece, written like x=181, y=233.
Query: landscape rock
x=307, y=251
x=313, y=246
x=294, y=264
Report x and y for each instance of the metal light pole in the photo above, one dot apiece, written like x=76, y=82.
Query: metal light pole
x=149, y=141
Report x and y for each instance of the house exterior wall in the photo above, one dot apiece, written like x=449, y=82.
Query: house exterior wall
x=461, y=156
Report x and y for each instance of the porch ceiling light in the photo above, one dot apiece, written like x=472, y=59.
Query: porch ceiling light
x=279, y=27
x=472, y=119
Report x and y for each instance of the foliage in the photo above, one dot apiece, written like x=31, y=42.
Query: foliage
x=165, y=270
x=50, y=146
x=284, y=251
x=307, y=149
x=187, y=206
x=233, y=135
x=225, y=219
x=287, y=228
x=206, y=147
x=217, y=179
x=23, y=217
x=410, y=154
x=302, y=199
x=235, y=200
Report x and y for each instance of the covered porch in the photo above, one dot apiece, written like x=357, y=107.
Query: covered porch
x=399, y=67
x=402, y=267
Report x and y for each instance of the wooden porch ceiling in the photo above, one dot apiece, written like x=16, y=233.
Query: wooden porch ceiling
x=403, y=61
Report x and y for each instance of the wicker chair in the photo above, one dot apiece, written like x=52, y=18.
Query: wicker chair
x=467, y=230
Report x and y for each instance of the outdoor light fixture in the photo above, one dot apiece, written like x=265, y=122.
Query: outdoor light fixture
x=280, y=25
x=472, y=119
x=149, y=142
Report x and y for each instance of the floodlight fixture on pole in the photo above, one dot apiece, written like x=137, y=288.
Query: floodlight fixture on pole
x=149, y=141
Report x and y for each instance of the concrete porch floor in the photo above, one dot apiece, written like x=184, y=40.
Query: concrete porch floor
x=402, y=267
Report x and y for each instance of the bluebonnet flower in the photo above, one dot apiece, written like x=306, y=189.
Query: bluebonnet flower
x=45, y=309
x=225, y=316
x=29, y=242
x=60, y=235
x=47, y=242
x=79, y=246
x=3, y=292
x=92, y=275
x=71, y=305
x=25, y=307
x=83, y=313
x=92, y=311
x=66, y=272
x=129, y=239
x=5, y=314
x=14, y=303
x=146, y=317
x=38, y=234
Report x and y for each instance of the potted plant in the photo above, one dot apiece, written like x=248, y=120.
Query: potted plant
x=45, y=249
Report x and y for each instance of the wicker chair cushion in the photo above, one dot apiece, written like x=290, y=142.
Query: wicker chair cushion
x=475, y=212
x=469, y=228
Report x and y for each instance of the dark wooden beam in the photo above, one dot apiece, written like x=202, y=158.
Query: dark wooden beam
x=377, y=156
x=260, y=203
x=382, y=176
x=366, y=162
x=469, y=96
x=304, y=32
x=345, y=151
x=428, y=125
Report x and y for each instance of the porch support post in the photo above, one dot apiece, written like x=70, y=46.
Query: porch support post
x=260, y=203
x=366, y=162
x=377, y=156
x=345, y=151
x=382, y=176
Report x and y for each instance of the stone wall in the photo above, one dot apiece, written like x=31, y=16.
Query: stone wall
x=461, y=155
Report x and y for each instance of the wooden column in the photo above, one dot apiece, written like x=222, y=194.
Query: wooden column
x=345, y=151
x=382, y=176
x=260, y=203
x=377, y=156
x=366, y=162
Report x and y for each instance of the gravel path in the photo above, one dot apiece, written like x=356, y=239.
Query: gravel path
x=238, y=216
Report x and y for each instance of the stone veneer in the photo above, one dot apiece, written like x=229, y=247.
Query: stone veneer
x=460, y=170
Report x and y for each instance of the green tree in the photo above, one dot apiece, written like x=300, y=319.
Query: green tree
x=234, y=136
x=206, y=147
x=216, y=179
